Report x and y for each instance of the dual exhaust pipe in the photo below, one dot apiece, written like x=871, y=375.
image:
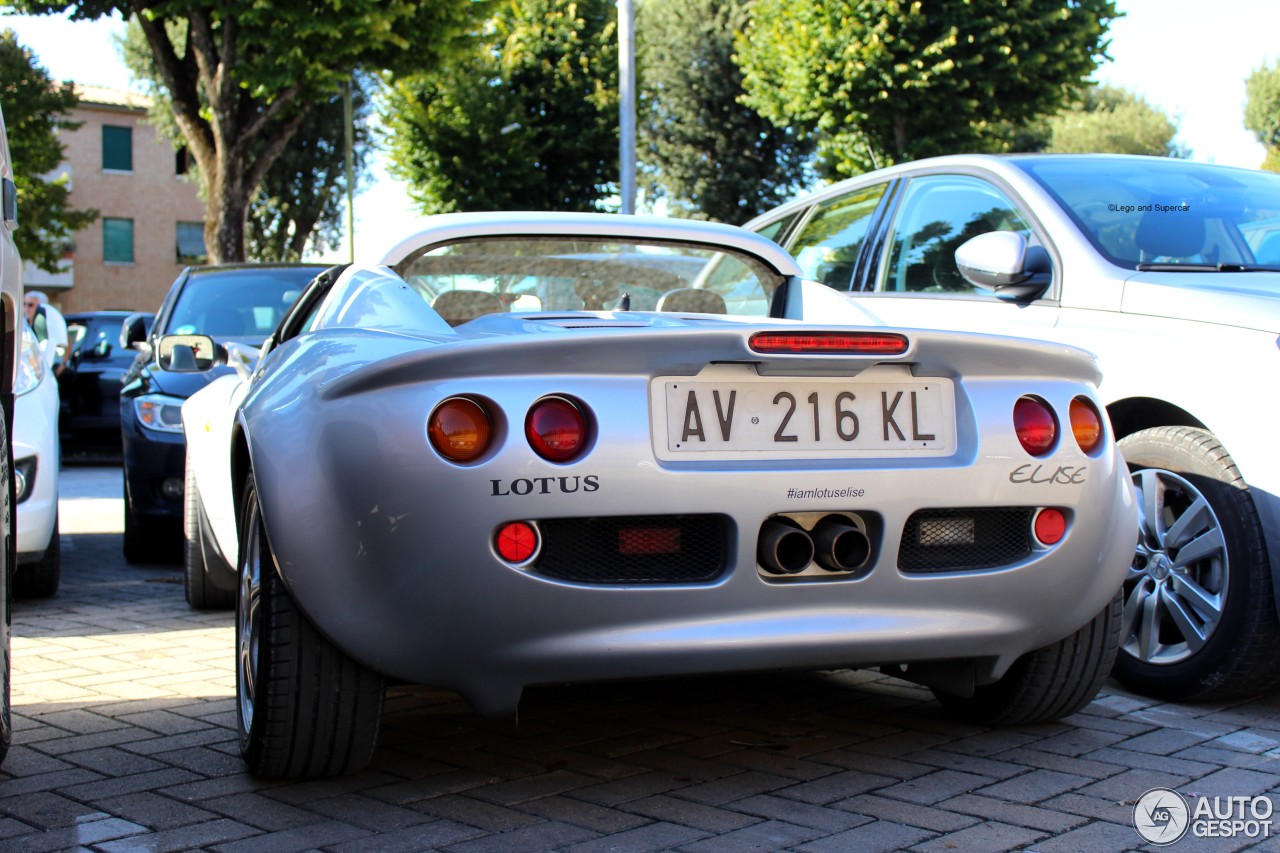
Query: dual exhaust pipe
x=835, y=544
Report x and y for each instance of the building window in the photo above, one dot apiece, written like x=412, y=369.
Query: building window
x=117, y=148
x=117, y=240
x=182, y=161
x=191, y=248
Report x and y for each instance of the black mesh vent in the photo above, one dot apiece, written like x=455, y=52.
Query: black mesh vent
x=952, y=540
x=635, y=549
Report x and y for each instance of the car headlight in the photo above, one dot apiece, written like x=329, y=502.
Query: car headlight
x=159, y=412
x=31, y=365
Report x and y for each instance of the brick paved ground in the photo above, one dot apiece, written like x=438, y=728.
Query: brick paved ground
x=125, y=740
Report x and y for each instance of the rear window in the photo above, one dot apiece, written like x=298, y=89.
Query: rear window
x=465, y=280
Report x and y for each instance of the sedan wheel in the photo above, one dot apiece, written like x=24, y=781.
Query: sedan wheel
x=1199, y=616
x=1177, y=585
x=305, y=707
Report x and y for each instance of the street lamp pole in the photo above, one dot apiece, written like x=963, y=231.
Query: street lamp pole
x=627, y=106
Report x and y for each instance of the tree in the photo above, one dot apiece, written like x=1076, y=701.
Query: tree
x=712, y=156
x=526, y=119
x=884, y=81
x=35, y=108
x=302, y=199
x=1113, y=120
x=1262, y=111
x=240, y=75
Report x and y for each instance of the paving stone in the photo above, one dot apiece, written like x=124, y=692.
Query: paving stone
x=323, y=833
x=986, y=838
x=764, y=836
x=434, y=835
x=154, y=811
x=1035, y=786
x=1052, y=822
x=804, y=814
x=207, y=835
x=686, y=813
x=589, y=815
x=645, y=839
x=936, y=787
x=869, y=838
x=912, y=814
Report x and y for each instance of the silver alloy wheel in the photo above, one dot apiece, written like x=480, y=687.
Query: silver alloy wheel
x=1176, y=589
x=249, y=620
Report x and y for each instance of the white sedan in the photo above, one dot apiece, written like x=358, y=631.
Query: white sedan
x=1167, y=270
x=36, y=465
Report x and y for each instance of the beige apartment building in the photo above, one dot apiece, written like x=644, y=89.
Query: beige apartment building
x=150, y=217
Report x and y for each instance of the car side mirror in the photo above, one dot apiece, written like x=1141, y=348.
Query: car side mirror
x=1002, y=261
x=186, y=353
x=135, y=330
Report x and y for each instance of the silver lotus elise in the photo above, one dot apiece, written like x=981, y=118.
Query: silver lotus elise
x=520, y=449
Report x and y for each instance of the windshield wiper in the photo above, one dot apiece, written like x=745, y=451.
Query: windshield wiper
x=1205, y=268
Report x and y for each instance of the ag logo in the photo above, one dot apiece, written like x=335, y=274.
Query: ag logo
x=1161, y=816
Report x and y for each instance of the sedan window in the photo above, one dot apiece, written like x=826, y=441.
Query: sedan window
x=827, y=246
x=939, y=213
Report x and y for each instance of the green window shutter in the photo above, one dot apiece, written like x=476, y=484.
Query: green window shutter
x=117, y=240
x=117, y=148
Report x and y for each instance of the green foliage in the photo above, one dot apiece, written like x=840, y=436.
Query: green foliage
x=239, y=76
x=1262, y=111
x=303, y=197
x=1116, y=121
x=35, y=107
x=882, y=81
x=525, y=119
x=709, y=155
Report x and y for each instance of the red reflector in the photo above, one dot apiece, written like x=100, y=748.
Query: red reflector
x=1050, y=526
x=857, y=343
x=654, y=540
x=516, y=542
x=1035, y=425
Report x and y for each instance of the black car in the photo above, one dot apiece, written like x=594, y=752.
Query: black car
x=89, y=383
x=240, y=303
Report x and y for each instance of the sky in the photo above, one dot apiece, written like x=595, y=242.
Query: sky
x=1187, y=57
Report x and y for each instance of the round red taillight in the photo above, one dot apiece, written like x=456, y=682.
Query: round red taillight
x=1086, y=424
x=516, y=542
x=1050, y=526
x=460, y=429
x=556, y=429
x=1035, y=425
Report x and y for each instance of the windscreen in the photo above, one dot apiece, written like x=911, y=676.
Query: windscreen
x=240, y=304
x=1169, y=213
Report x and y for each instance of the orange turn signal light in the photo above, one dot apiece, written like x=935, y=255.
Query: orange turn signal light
x=1086, y=424
x=460, y=429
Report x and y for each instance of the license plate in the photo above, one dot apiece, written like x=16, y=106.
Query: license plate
x=806, y=417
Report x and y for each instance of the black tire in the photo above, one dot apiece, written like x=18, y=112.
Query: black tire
x=40, y=578
x=201, y=593
x=305, y=708
x=1049, y=683
x=1200, y=614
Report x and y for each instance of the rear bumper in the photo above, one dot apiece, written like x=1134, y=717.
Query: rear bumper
x=408, y=581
